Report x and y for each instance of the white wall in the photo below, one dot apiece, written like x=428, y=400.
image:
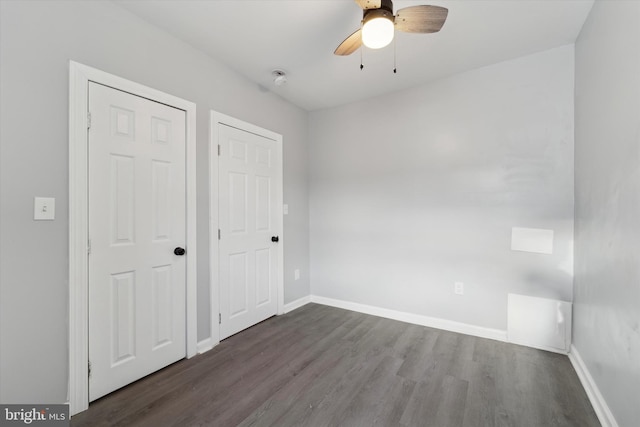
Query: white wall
x=607, y=162
x=413, y=191
x=37, y=40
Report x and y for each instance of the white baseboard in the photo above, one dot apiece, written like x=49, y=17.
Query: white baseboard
x=432, y=322
x=593, y=392
x=297, y=304
x=205, y=345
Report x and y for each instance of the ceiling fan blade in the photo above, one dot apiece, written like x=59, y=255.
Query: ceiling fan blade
x=369, y=4
x=421, y=19
x=350, y=44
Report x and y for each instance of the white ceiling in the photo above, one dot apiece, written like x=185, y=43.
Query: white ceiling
x=255, y=37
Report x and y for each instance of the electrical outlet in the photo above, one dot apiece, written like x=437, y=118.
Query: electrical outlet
x=458, y=288
x=296, y=274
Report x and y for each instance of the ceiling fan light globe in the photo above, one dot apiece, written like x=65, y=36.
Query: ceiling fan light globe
x=377, y=32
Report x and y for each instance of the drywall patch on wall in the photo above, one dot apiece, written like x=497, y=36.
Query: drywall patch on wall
x=532, y=240
x=539, y=322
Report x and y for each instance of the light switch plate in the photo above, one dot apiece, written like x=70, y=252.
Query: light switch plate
x=285, y=209
x=44, y=208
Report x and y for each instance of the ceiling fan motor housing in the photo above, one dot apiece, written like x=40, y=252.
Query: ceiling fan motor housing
x=385, y=11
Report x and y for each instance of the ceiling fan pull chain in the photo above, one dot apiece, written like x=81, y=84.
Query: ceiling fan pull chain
x=361, y=66
x=394, y=56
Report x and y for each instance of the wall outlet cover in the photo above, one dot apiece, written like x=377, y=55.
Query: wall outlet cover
x=458, y=288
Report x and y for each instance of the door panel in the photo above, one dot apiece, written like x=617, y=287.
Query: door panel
x=137, y=207
x=161, y=306
x=123, y=332
x=263, y=203
x=249, y=166
x=263, y=277
x=238, y=295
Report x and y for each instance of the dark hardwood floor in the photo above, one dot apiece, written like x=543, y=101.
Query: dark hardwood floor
x=323, y=366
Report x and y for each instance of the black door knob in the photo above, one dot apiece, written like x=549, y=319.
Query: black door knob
x=179, y=251
x=275, y=239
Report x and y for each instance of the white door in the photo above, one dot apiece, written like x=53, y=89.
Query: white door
x=136, y=222
x=250, y=203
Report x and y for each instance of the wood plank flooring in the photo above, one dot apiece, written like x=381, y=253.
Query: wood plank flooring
x=323, y=366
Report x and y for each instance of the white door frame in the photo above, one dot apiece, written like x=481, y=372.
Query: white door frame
x=79, y=78
x=217, y=119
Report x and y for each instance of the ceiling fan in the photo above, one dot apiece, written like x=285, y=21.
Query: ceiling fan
x=379, y=23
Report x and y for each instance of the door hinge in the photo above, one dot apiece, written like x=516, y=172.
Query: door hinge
x=218, y=149
x=218, y=234
x=89, y=247
x=89, y=369
x=88, y=120
x=219, y=318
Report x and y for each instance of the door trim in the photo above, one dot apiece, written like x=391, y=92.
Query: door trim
x=79, y=77
x=217, y=119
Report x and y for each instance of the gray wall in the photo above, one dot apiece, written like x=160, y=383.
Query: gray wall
x=413, y=191
x=37, y=40
x=607, y=174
